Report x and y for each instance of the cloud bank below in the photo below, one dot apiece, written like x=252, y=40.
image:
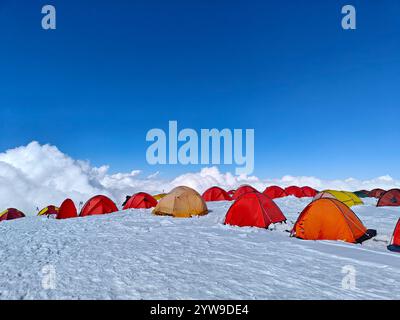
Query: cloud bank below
x=35, y=175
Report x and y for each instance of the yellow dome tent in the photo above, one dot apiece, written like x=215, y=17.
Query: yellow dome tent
x=181, y=202
x=348, y=198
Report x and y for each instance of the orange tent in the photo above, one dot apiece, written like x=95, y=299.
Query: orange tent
x=330, y=219
x=216, y=194
x=67, y=210
x=98, y=205
x=243, y=190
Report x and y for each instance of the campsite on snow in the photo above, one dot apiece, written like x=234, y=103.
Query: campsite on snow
x=237, y=244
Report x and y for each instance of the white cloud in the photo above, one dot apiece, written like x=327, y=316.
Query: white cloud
x=38, y=175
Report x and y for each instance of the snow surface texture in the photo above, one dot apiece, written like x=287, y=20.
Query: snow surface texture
x=35, y=176
x=135, y=255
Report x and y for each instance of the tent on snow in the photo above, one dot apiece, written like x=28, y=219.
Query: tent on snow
x=49, y=211
x=181, y=202
x=98, y=205
x=254, y=210
x=376, y=193
x=216, y=194
x=362, y=193
x=390, y=198
x=11, y=214
x=243, y=190
x=67, y=210
x=395, y=242
x=308, y=191
x=159, y=196
x=274, y=192
x=140, y=200
x=231, y=192
x=294, y=191
x=348, y=198
x=330, y=219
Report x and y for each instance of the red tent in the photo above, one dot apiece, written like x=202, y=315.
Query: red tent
x=98, y=205
x=11, y=214
x=390, y=198
x=254, y=210
x=216, y=194
x=243, y=190
x=309, y=192
x=140, y=200
x=67, y=210
x=274, y=192
x=294, y=191
x=231, y=192
x=376, y=193
x=395, y=243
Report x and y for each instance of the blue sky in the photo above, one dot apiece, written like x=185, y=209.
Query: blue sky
x=323, y=101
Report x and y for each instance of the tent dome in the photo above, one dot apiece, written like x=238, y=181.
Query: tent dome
x=48, y=211
x=140, y=200
x=243, y=190
x=181, y=202
x=348, y=198
x=390, y=198
x=254, y=210
x=274, y=192
x=98, y=205
x=294, y=191
x=330, y=219
x=216, y=194
x=67, y=210
x=11, y=214
x=308, y=191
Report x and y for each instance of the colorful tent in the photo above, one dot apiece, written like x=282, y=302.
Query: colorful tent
x=294, y=191
x=330, y=219
x=216, y=194
x=274, y=192
x=98, y=205
x=48, y=211
x=243, y=190
x=67, y=210
x=11, y=214
x=308, y=191
x=395, y=242
x=254, y=210
x=362, y=193
x=348, y=198
x=141, y=200
x=181, y=202
x=376, y=193
x=159, y=196
x=390, y=198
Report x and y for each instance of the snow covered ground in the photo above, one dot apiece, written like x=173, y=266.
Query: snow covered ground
x=135, y=255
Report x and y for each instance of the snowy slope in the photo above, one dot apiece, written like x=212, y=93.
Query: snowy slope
x=134, y=255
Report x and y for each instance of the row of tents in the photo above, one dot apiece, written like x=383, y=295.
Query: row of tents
x=327, y=217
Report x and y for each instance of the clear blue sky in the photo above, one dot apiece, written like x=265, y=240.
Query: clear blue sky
x=323, y=101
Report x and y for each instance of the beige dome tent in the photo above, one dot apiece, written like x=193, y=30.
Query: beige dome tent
x=181, y=202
